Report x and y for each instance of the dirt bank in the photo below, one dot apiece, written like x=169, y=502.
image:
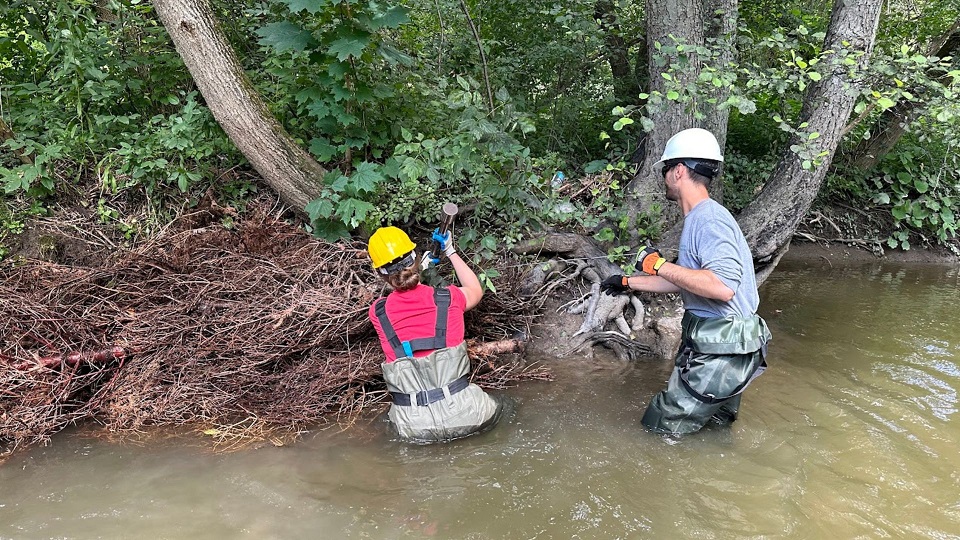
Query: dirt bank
x=837, y=252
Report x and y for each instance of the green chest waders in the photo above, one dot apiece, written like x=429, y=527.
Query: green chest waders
x=717, y=360
x=433, y=399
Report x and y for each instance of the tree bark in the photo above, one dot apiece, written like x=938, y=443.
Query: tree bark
x=893, y=122
x=680, y=18
x=721, y=18
x=769, y=221
x=291, y=172
x=626, y=88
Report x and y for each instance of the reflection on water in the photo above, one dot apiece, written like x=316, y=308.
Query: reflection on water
x=852, y=433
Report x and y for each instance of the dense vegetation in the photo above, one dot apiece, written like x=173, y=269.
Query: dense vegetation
x=479, y=101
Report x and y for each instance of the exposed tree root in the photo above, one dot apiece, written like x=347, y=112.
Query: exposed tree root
x=592, y=266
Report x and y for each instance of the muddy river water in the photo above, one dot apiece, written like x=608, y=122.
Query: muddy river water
x=853, y=432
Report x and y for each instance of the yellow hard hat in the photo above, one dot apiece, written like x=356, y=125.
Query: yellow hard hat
x=388, y=244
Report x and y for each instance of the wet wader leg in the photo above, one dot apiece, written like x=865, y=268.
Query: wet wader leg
x=675, y=411
x=727, y=413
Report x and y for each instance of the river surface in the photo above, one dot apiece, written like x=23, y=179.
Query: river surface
x=851, y=433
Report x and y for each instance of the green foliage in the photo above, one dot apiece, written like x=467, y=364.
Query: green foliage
x=743, y=177
x=922, y=196
x=478, y=161
x=102, y=93
x=337, y=79
x=391, y=98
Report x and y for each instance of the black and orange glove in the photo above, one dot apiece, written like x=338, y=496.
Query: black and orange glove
x=650, y=260
x=615, y=285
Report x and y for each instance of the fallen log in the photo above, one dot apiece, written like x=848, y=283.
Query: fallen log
x=72, y=359
x=491, y=348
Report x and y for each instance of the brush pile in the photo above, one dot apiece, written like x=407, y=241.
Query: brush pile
x=248, y=333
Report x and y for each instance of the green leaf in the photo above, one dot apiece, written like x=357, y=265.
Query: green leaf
x=344, y=48
x=284, y=36
x=619, y=124
x=354, y=211
x=319, y=208
x=394, y=56
x=884, y=103
x=339, y=183
x=366, y=177
x=329, y=229
x=746, y=106
x=921, y=186
x=412, y=169
x=673, y=95
x=595, y=166
x=814, y=76
x=312, y=6
x=392, y=18
x=338, y=70
x=489, y=242
x=322, y=149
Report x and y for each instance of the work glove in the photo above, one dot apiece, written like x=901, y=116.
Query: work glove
x=615, y=285
x=650, y=260
x=445, y=241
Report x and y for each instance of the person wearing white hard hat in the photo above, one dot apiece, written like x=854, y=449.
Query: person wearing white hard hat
x=724, y=341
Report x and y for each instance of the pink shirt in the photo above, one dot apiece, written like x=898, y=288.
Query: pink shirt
x=414, y=315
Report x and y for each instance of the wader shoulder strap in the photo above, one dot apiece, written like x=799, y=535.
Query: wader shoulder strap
x=709, y=398
x=403, y=349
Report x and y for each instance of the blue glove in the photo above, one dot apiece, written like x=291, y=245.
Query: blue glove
x=445, y=241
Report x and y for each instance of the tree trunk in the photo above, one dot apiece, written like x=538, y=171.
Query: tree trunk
x=893, y=122
x=626, y=88
x=291, y=172
x=721, y=18
x=679, y=18
x=769, y=221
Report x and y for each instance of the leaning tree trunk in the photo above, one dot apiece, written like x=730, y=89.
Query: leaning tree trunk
x=893, y=122
x=770, y=220
x=290, y=171
x=680, y=19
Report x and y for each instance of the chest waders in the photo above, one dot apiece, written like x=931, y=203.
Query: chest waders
x=433, y=399
x=718, y=358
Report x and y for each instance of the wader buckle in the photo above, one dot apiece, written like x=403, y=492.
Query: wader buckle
x=426, y=397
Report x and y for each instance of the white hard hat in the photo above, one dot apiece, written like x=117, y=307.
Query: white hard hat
x=693, y=143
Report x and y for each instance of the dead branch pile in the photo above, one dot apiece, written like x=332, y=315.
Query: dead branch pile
x=248, y=334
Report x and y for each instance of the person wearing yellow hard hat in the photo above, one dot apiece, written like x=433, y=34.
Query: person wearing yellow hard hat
x=421, y=331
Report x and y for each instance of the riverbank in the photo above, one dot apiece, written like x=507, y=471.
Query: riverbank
x=836, y=252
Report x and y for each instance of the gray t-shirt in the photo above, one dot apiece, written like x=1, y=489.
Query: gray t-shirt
x=712, y=240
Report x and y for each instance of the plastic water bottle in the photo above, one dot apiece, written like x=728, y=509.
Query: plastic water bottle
x=564, y=206
x=557, y=180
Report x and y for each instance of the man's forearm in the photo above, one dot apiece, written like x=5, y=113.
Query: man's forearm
x=700, y=282
x=655, y=284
